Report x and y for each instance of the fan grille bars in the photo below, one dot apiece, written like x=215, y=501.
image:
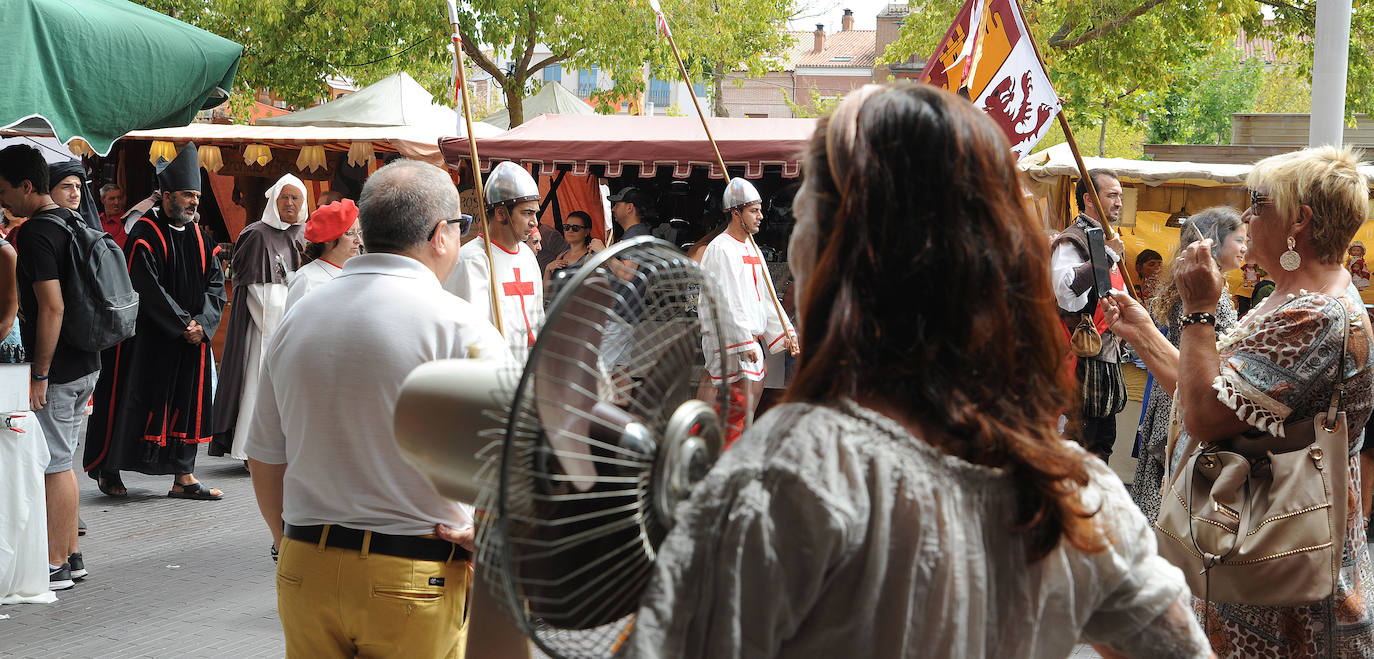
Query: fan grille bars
x=577, y=496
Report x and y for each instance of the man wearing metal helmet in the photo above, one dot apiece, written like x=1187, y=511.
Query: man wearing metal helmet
x=512, y=199
x=751, y=311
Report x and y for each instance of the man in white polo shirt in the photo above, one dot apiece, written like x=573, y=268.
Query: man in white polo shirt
x=373, y=562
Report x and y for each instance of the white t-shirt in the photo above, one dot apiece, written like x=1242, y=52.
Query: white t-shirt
x=748, y=312
x=520, y=289
x=329, y=387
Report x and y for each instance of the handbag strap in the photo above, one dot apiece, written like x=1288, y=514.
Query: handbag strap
x=1338, y=392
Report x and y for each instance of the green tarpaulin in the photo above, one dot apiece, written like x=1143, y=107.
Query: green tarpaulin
x=97, y=69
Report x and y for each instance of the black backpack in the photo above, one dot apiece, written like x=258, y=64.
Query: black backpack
x=101, y=306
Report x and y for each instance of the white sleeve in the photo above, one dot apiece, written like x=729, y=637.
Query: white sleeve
x=296, y=288
x=469, y=280
x=1140, y=585
x=1065, y=258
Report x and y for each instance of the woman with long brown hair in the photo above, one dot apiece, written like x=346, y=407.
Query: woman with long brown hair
x=913, y=496
x=1222, y=225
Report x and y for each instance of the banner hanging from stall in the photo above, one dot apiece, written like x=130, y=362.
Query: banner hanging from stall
x=988, y=55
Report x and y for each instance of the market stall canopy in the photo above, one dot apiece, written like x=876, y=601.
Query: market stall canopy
x=410, y=141
x=552, y=99
x=1058, y=161
x=396, y=100
x=579, y=142
x=58, y=67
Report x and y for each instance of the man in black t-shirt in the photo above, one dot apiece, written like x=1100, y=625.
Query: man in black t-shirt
x=62, y=378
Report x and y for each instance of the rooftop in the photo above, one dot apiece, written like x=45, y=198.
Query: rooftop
x=844, y=49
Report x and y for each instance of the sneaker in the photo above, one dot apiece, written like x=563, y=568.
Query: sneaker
x=78, y=566
x=60, y=578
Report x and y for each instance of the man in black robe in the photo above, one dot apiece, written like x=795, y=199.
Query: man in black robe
x=153, y=403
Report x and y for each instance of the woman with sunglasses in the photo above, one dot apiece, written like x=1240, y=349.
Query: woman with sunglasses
x=577, y=230
x=1278, y=368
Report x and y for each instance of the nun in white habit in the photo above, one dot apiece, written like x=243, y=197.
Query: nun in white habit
x=266, y=253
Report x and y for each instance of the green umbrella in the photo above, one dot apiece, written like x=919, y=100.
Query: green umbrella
x=97, y=69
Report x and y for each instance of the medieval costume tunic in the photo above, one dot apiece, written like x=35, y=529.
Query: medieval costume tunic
x=309, y=277
x=265, y=254
x=153, y=399
x=749, y=313
x=520, y=287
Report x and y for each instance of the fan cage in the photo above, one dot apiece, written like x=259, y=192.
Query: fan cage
x=571, y=554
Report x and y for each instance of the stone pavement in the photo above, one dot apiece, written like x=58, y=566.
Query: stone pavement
x=169, y=577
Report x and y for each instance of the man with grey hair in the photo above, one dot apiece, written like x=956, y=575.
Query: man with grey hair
x=372, y=560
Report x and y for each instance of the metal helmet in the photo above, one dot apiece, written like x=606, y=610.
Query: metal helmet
x=509, y=183
x=739, y=192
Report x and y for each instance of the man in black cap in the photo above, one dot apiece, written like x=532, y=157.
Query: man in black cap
x=62, y=377
x=153, y=400
x=630, y=208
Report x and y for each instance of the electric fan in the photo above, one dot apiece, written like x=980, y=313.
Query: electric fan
x=577, y=461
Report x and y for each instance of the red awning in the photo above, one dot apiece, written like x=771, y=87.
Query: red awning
x=616, y=141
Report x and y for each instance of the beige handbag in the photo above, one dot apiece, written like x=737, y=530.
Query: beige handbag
x=1086, y=341
x=1262, y=521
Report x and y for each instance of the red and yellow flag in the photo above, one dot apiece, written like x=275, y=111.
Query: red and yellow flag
x=988, y=53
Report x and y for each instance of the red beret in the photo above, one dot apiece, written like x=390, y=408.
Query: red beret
x=330, y=221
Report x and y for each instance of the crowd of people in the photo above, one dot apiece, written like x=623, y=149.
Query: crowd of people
x=935, y=482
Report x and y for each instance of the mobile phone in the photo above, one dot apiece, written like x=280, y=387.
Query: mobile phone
x=1102, y=266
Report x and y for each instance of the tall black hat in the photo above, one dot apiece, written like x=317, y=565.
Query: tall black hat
x=182, y=173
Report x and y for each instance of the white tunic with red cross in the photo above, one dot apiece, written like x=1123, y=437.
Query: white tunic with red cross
x=519, y=287
x=749, y=313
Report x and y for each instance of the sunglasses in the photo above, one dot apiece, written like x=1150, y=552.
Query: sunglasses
x=574, y=227
x=1258, y=199
x=464, y=222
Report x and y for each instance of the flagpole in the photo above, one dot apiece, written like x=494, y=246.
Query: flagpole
x=1108, y=232
x=724, y=172
x=462, y=95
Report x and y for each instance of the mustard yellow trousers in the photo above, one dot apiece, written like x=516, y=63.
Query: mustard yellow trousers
x=351, y=603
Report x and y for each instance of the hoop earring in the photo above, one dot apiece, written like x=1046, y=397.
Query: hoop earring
x=1290, y=260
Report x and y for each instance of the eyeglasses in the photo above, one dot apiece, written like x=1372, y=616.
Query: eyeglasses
x=351, y=233
x=574, y=227
x=1258, y=199
x=463, y=221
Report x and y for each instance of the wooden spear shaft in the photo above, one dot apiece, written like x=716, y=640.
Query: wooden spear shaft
x=476, y=166
x=725, y=173
x=1108, y=232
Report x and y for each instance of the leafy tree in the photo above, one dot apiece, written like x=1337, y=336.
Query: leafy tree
x=1281, y=89
x=293, y=45
x=1292, y=27
x=1197, y=108
x=818, y=105
x=1109, y=59
x=717, y=37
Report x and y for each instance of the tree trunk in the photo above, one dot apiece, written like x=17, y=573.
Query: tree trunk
x=1102, y=139
x=515, y=100
x=718, y=102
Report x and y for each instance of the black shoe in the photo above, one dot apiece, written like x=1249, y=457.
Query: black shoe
x=80, y=526
x=78, y=566
x=60, y=578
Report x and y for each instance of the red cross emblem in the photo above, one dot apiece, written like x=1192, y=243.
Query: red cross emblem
x=520, y=289
x=751, y=261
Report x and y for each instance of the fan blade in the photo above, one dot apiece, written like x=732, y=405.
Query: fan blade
x=440, y=423
x=567, y=378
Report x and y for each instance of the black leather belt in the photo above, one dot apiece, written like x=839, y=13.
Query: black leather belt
x=404, y=546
